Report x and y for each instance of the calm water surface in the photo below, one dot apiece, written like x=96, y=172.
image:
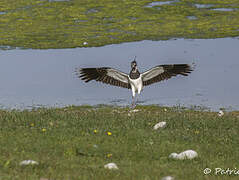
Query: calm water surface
x=32, y=78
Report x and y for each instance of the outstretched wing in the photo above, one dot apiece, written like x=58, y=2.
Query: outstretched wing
x=106, y=75
x=163, y=72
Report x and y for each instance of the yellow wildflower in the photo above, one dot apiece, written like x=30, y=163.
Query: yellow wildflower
x=43, y=130
x=109, y=133
x=109, y=155
x=95, y=131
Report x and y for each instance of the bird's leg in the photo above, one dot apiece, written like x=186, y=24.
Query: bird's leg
x=136, y=100
x=133, y=102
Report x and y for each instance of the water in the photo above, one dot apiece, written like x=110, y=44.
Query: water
x=32, y=78
x=224, y=9
x=203, y=5
x=192, y=17
x=160, y=3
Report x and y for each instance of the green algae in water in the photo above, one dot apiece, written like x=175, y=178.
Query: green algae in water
x=43, y=24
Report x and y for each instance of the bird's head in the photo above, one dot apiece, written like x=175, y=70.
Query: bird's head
x=134, y=63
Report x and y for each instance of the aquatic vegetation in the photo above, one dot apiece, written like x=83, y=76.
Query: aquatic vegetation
x=42, y=24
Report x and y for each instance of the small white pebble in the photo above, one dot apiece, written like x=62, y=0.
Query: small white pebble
x=95, y=146
x=111, y=166
x=173, y=155
x=159, y=125
x=28, y=162
x=220, y=113
x=168, y=178
x=85, y=43
x=188, y=154
x=116, y=111
x=134, y=111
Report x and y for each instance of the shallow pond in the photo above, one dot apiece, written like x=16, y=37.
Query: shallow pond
x=224, y=9
x=159, y=3
x=30, y=78
x=203, y=5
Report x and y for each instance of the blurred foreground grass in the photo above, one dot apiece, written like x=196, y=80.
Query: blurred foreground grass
x=76, y=143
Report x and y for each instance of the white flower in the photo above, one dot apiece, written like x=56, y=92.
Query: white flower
x=159, y=125
x=28, y=162
x=220, y=113
x=189, y=154
x=111, y=166
x=85, y=43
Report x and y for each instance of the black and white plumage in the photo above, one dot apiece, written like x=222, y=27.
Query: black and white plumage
x=134, y=80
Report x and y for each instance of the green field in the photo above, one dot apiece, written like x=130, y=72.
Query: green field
x=75, y=143
x=43, y=24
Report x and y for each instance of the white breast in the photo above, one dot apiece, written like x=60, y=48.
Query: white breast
x=136, y=84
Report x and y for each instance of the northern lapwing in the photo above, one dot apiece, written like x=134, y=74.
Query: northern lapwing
x=134, y=80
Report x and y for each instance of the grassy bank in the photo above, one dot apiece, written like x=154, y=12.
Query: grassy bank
x=44, y=24
x=76, y=143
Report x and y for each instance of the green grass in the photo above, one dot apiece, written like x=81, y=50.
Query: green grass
x=64, y=143
x=42, y=24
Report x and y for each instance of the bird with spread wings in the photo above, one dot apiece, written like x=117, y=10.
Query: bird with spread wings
x=134, y=80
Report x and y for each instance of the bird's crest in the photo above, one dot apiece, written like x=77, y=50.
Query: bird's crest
x=134, y=63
